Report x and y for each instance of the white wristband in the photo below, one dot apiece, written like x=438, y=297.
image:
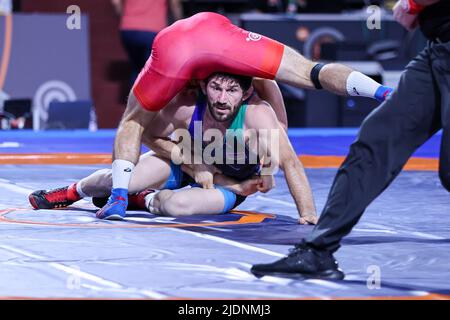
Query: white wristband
x=121, y=173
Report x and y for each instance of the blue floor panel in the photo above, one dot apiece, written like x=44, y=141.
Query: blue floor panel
x=404, y=235
x=305, y=141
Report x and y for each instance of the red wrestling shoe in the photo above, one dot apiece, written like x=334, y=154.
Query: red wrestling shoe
x=56, y=198
x=137, y=201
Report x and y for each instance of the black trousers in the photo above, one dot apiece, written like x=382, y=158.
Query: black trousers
x=138, y=45
x=387, y=138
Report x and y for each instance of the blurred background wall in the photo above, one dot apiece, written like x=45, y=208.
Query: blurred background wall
x=320, y=29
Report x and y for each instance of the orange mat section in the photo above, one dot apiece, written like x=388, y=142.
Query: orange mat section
x=416, y=164
x=426, y=164
x=56, y=158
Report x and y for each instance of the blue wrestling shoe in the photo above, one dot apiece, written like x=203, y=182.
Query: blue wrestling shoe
x=382, y=93
x=116, y=207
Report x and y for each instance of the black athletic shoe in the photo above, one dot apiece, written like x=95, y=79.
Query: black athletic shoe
x=303, y=262
x=99, y=202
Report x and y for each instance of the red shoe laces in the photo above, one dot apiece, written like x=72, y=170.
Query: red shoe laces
x=57, y=195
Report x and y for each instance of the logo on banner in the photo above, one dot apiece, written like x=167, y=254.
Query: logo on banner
x=253, y=37
x=51, y=91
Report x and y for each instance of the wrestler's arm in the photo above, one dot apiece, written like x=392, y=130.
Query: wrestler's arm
x=177, y=9
x=269, y=91
x=297, y=181
x=243, y=188
x=296, y=178
x=127, y=143
x=118, y=6
x=261, y=118
x=167, y=148
x=163, y=147
x=176, y=124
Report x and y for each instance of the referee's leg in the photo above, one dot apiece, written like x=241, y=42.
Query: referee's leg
x=387, y=138
x=440, y=54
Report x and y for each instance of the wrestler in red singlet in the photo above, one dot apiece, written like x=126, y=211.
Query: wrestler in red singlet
x=195, y=47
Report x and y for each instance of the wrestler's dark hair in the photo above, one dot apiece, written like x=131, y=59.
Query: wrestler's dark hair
x=244, y=81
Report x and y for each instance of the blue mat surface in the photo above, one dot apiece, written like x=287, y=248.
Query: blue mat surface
x=305, y=141
x=404, y=235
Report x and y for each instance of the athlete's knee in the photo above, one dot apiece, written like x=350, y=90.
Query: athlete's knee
x=105, y=177
x=104, y=174
x=133, y=188
x=178, y=205
x=136, y=184
x=97, y=184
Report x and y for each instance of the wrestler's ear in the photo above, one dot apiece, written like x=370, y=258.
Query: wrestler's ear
x=203, y=86
x=248, y=93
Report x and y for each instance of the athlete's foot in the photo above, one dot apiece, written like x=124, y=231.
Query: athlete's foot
x=56, y=198
x=116, y=207
x=136, y=201
x=303, y=262
x=383, y=93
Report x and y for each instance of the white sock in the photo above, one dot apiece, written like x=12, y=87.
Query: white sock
x=121, y=173
x=80, y=192
x=359, y=84
x=149, y=201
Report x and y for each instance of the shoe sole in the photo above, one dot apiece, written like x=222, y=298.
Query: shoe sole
x=33, y=202
x=327, y=275
x=101, y=202
x=114, y=217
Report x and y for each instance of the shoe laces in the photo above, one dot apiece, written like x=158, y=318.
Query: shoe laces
x=57, y=196
x=298, y=248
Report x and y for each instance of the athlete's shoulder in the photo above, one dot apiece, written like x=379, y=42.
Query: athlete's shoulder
x=178, y=111
x=260, y=115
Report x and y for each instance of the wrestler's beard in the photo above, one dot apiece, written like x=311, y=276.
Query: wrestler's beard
x=219, y=117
